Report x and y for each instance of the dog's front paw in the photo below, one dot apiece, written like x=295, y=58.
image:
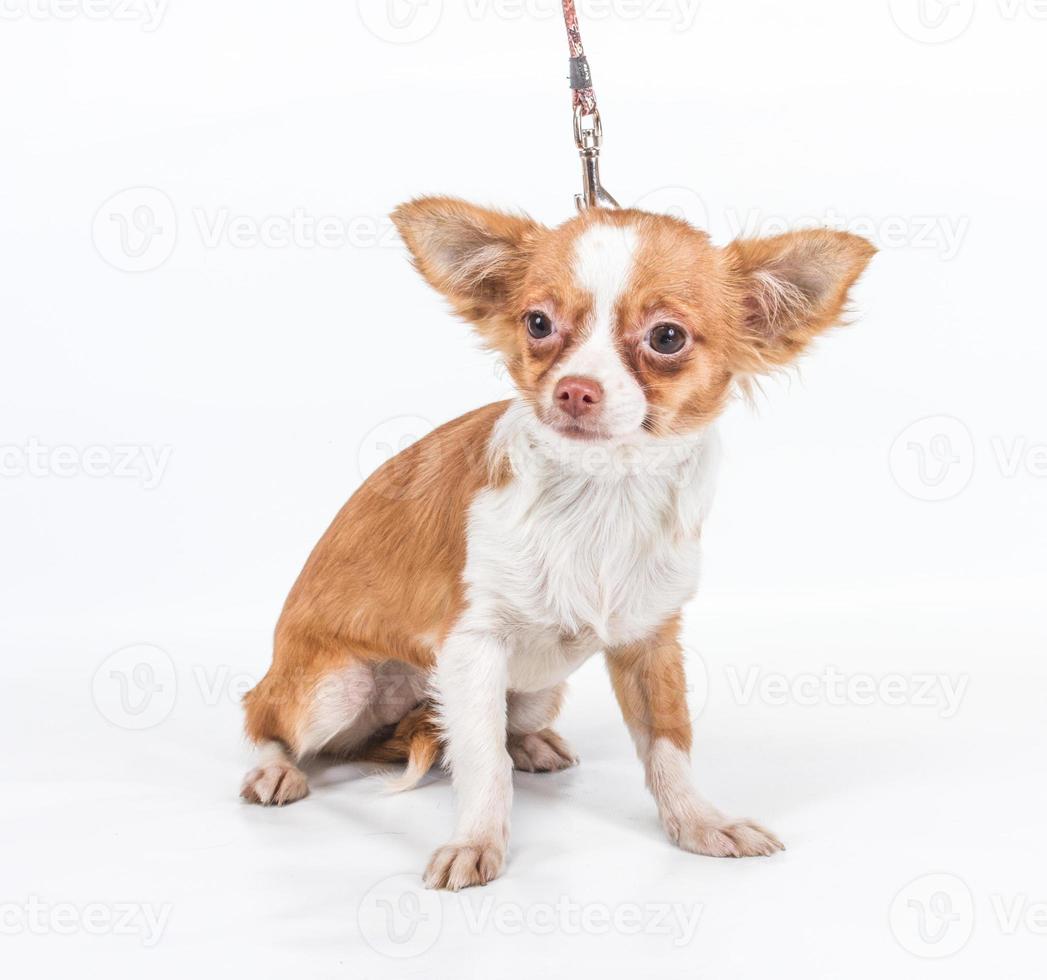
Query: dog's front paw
x=542, y=751
x=722, y=837
x=456, y=866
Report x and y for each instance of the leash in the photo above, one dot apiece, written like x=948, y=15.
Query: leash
x=588, y=131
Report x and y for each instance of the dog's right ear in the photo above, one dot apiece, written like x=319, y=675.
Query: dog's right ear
x=476, y=257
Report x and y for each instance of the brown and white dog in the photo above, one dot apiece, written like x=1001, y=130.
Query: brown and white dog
x=454, y=593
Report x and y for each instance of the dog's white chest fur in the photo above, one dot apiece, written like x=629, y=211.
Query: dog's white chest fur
x=587, y=547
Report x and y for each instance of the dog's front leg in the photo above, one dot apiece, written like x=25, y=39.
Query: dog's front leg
x=650, y=685
x=470, y=682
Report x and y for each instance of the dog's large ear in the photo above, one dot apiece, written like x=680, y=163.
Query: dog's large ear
x=792, y=287
x=475, y=257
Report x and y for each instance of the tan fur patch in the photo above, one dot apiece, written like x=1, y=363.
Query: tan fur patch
x=384, y=582
x=651, y=688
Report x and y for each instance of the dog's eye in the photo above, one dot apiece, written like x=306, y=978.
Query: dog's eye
x=667, y=338
x=539, y=325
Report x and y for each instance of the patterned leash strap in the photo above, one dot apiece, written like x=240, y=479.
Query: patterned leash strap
x=588, y=131
x=581, y=77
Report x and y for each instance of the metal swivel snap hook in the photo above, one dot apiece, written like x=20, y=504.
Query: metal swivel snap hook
x=588, y=136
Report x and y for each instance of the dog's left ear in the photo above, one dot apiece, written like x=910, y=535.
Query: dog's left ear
x=474, y=256
x=792, y=287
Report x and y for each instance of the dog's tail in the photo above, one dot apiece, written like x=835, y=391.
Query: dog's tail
x=415, y=741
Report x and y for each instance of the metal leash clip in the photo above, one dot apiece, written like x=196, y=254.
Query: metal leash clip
x=588, y=135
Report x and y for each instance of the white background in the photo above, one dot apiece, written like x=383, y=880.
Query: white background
x=264, y=382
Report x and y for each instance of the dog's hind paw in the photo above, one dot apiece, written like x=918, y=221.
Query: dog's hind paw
x=542, y=751
x=275, y=784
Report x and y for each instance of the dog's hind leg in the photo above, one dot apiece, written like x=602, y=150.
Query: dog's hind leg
x=295, y=714
x=276, y=780
x=335, y=708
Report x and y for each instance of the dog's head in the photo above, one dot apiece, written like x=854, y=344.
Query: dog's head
x=619, y=323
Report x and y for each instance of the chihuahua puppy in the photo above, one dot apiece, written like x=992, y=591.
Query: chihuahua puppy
x=442, y=611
